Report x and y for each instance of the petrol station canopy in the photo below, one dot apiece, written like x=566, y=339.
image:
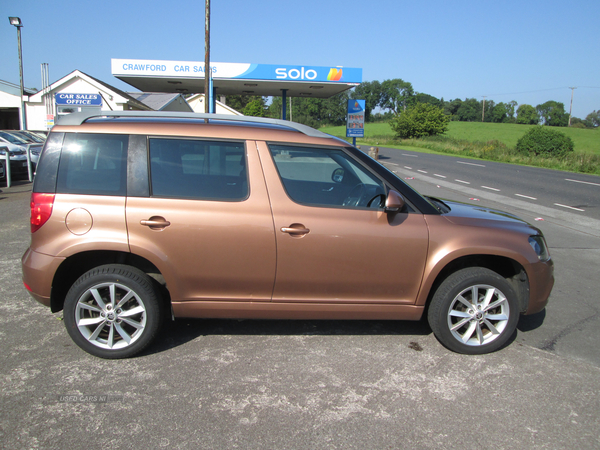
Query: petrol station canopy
x=187, y=77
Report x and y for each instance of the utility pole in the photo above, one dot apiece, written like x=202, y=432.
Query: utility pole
x=207, y=73
x=483, y=109
x=571, y=108
x=17, y=23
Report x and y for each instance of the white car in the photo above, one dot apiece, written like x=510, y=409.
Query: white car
x=19, y=138
x=18, y=156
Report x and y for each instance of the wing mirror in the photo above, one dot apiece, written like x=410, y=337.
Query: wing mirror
x=394, y=202
x=338, y=175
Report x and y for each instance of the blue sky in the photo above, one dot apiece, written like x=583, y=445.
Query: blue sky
x=530, y=51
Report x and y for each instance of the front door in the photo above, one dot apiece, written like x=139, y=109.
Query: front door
x=335, y=243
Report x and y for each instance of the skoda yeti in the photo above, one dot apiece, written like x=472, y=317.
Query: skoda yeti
x=139, y=217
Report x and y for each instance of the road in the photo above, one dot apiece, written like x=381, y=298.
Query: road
x=566, y=192
x=308, y=384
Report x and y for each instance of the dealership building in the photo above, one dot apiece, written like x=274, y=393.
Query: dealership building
x=169, y=86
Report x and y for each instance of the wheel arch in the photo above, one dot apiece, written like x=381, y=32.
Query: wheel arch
x=508, y=268
x=76, y=265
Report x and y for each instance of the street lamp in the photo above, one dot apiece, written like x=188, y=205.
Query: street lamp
x=17, y=23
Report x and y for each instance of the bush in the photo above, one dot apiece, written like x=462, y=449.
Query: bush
x=543, y=141
x=420, y=120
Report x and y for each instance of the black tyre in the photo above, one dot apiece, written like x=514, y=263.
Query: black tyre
x=474, y=311
x=113, y=311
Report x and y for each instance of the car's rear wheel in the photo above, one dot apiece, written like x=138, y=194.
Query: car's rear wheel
x=113, y=311
x=474, y=311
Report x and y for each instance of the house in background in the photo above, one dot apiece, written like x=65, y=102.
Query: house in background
x=80, y=92
x=196, y=102
x=10, y=105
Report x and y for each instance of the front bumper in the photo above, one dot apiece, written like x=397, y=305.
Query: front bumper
x=541, y=281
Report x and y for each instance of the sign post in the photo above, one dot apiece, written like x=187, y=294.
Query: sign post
x=355, y=123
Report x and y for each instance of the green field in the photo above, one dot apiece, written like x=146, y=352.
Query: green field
x=585, y=140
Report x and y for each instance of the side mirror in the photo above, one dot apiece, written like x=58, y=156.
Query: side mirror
x=338, y=175
x=394, y=202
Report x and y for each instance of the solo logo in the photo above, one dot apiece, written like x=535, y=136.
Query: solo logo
x=295, y=74
x=302, y=74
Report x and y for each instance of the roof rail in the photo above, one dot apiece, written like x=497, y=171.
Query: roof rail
x=80, y=118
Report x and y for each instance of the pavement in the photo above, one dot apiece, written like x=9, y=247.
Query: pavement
x=226, y=384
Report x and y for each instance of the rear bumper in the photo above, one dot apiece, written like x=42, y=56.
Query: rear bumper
x=38, y=274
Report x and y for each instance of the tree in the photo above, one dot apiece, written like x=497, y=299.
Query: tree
x=239, y=102
x=527, y=115
x=499, y=113
x=420, y=97
x=370, y=92
x=511, y=109
x=553, y=114
x=396, y=95
x=255, y=108
x=544, y=141
x=592, y=120
x=420, y=119
x=451, y=108
x=469, y=111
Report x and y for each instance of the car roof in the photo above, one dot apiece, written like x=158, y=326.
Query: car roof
x=76, y=119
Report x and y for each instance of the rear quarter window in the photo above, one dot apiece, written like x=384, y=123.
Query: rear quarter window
x=93, y=164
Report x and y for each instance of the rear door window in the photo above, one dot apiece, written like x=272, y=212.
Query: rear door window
x=197, y=169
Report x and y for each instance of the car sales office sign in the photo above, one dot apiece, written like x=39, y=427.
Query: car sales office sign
x=78, y=99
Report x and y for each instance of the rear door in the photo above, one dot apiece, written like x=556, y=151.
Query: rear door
x=207, y=223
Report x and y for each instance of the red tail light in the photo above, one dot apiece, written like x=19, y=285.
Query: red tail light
x=41, y=209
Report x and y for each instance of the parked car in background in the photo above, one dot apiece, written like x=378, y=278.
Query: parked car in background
x=137, y=217
x=28, y=136
x=18, y=155
x=32, y=144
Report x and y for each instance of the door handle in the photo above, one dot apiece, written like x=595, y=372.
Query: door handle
x=296, y=230
x=155, y=223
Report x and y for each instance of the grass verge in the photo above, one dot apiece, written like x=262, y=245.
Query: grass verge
x=499, y=147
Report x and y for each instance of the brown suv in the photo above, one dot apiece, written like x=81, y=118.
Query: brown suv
x=137, y=217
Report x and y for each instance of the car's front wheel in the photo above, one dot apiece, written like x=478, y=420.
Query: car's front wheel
x=474, y=311
x=113, y=311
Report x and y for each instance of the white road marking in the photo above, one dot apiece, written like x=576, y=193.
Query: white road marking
x=422, y=171
x=470, y=164
x=441, y=176
x=526, y=196
x=583, y=182
x=491, y=188
x=412, y=156
x=392, y=164
x=461, y=181
x=409, y=168
x=570, y=207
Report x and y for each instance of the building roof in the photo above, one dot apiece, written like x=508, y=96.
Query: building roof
x=15, y=89
x=78, y=74
x=156, y=100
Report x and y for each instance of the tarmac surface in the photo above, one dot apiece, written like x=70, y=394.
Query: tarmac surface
x=227, y=384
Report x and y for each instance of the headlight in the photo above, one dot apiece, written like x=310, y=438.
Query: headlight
x=538, y=243
x=2, y=152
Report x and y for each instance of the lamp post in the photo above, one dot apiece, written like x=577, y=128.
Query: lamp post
x=17, y=23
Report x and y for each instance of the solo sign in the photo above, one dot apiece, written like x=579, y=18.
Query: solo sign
x=78, y=99
x=355, y=125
